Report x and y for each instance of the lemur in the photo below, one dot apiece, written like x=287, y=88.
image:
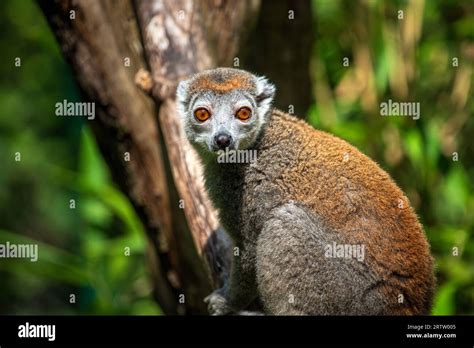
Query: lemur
x=298, y=212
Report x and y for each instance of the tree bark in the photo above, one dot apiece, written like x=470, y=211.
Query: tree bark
x=96, y=38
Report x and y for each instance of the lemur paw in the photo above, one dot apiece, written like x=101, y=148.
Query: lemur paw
x=217, y=303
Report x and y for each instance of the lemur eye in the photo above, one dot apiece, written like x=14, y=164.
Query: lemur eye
x=243, y=114
x=201, y=114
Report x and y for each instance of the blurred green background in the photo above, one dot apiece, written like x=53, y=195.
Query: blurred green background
x=84, y=250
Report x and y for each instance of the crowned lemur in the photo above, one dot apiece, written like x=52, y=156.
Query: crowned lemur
x=319, y=228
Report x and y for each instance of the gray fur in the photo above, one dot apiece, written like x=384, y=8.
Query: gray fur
x=318, y=285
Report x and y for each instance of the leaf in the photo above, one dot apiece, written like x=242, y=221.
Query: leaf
x=414, y=148
x=52, y=263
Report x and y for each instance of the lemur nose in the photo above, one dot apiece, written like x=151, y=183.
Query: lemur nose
x=222, y=140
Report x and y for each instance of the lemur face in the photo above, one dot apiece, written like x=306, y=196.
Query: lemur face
x=224, y=108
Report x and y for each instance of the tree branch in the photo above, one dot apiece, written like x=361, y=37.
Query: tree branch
x=180, y=39
x=96, y=38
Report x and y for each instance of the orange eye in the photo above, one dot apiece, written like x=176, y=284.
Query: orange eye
x=201, y=114
x=243, y=114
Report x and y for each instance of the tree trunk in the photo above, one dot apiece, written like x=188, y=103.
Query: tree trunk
x=128, y=58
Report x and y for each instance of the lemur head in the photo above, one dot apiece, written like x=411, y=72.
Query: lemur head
x=224, y=108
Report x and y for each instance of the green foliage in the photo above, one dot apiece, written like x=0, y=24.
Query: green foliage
x=82, y=251
x=409, y=59
x=106, y=271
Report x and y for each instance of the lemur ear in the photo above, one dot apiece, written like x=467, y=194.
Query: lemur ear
x=265, y=94
x=265, y=90
x=181, y=91
x=181, y=97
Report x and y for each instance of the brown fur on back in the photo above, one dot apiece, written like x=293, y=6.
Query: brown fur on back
x=347, y=192
x=360, y=201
